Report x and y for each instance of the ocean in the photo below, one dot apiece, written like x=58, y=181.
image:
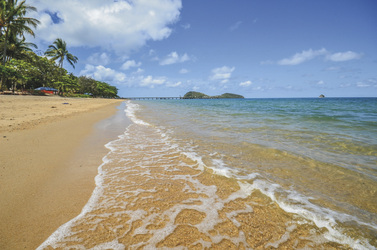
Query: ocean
x=235, y=174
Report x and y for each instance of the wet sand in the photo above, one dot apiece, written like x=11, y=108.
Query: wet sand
x=168, y=200
x=159, y=197
x=49, y=154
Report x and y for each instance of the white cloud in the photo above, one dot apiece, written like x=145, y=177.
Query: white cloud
x=362, y=85
x=99, y=59
x=235, y=26
x=129, y=64
x=119, y=26
x=173, y=58
x=310, y=54
x=304, y=56
x=173, y=85
x=320, y=82
x=343, y=56
x=138, y=71
x=186, y=26
x=222, y=74
x=183, y=71
x=138, y=80
x=371, y=82
x=101, y=73
x=135, y=79
x=246, y=83
x=150, y=81
x=152, y=52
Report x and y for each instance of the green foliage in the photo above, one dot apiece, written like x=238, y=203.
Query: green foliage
x=23, y=69
x=14, y=24
x=77, y=95
x=96, y=88
x=16, y=48
x=47, y=73
x=58, y=51
x=35, y=71
x=195, y=95
x=8, y=71
x=229, y=95
x=198, y=95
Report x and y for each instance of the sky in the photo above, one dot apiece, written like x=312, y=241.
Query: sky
x=256, y=48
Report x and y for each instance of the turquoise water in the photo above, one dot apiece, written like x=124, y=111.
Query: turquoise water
x=235, y=174
x=342, y=131
x=323, y=150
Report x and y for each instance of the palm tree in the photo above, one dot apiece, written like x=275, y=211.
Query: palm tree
x=58, y=51
x=14, y=23
x=16, y=48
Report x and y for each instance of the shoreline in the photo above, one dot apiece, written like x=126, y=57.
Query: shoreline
x=49, y=162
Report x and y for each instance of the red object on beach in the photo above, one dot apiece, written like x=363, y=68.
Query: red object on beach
x=48, y=90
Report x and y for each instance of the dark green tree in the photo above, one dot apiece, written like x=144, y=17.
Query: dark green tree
x=22, y=73
x=16, y=48
x=13, y=23
x=47, y=71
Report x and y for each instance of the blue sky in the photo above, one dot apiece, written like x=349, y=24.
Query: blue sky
x=256, y=48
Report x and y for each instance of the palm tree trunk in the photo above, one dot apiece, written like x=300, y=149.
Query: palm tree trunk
x=5, y=46
x=4, y=56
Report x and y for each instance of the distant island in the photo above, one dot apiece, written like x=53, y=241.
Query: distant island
x=198, y=95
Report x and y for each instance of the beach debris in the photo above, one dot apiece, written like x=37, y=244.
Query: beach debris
x=53, y=107
x=65, y=103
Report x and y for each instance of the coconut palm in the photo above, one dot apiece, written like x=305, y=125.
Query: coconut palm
x=13, y=21
x=58, y=51
x=16, y=48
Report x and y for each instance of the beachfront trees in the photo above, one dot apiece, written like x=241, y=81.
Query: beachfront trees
x=58, y=51
x=17, y=48
x=47, y=74
x=96, y=88
x=21, y=68
x=14, y=23
x=33, y=71
x=24, y=73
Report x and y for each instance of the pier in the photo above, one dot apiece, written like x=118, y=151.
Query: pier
x=152, y=98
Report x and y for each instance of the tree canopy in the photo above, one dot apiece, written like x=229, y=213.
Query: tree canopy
x=58, y=51
x=198, y=95
x=13, y=22
x=22, y=69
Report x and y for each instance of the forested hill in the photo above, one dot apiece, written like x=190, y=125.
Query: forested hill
x=198, y=95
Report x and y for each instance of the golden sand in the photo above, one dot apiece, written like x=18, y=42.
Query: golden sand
x=43, y=181
x=44, y=184
x=159, y=203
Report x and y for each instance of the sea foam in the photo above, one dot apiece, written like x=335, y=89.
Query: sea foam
x=161, y=159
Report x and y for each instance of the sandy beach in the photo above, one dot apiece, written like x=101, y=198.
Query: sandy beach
x=162, y=183
x=49, y=152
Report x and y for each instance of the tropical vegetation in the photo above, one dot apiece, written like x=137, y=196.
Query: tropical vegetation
x=21, y=69
x=198, y=95
x=58, y=51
